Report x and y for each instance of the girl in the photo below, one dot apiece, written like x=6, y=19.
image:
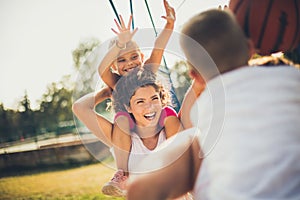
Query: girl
x=123, y=56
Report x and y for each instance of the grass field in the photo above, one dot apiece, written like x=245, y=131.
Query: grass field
x=77, y=183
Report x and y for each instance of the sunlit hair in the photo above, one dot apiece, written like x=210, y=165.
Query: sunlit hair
x=220, y=35
x=135, y=79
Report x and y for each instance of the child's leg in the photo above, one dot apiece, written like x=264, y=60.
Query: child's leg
x=122, y=144
x=121, y=138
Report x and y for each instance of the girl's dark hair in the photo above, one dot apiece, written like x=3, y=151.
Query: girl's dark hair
x=128, y=84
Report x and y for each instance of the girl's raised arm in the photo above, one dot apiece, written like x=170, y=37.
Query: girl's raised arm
x=162, y=39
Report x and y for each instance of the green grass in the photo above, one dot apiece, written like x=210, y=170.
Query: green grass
x=77, y=183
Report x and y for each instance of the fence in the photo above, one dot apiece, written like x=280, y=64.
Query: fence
x=65, y=151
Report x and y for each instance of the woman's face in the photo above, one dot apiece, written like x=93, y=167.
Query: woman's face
x=128, y=61
x=146, y=106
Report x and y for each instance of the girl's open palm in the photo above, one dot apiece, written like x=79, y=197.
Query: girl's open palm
x=170, y=13
x=124, y=34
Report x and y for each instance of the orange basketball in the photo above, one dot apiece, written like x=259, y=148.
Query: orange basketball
x=273, y=25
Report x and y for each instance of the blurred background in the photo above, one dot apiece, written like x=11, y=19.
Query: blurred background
x=49, y=55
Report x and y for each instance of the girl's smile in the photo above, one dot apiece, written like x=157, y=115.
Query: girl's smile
x=129, y=61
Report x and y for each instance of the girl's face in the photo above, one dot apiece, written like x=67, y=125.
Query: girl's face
x=146, y=106
x=128, y=61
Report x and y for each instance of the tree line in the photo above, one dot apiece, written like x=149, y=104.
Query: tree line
x=54, y=110
x=54, y=113
x=25, y=122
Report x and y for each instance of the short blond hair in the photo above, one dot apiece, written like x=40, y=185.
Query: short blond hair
x=218, y=32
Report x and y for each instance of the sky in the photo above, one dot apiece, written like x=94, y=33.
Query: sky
x=37, y=37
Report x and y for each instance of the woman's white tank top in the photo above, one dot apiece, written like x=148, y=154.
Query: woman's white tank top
x=139, y=150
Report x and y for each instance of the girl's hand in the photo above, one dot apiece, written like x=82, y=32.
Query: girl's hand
x=123, y=33
x=170, y=13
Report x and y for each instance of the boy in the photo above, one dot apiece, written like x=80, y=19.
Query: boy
x=241, y=158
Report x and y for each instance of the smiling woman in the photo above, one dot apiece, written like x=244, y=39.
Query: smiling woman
x=145, y=105
x=143, y=102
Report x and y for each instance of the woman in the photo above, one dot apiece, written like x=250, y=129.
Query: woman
x=140, y=95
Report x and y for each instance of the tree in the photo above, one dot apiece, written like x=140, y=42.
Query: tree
x=26, y=119
x=84, y=48
x=85, y=64
x=56, y=105
x=180, y=79
x=54, y=113
x=4, y=125
x=86, y=61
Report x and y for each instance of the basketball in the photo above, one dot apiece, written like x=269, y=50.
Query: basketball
x=273, y=25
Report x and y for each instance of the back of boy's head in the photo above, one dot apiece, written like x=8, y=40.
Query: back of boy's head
x=219, y=34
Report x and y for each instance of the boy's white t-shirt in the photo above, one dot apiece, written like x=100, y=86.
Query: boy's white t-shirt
x=250, y=134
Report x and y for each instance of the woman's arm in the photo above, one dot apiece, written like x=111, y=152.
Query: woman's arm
x=83, y=108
